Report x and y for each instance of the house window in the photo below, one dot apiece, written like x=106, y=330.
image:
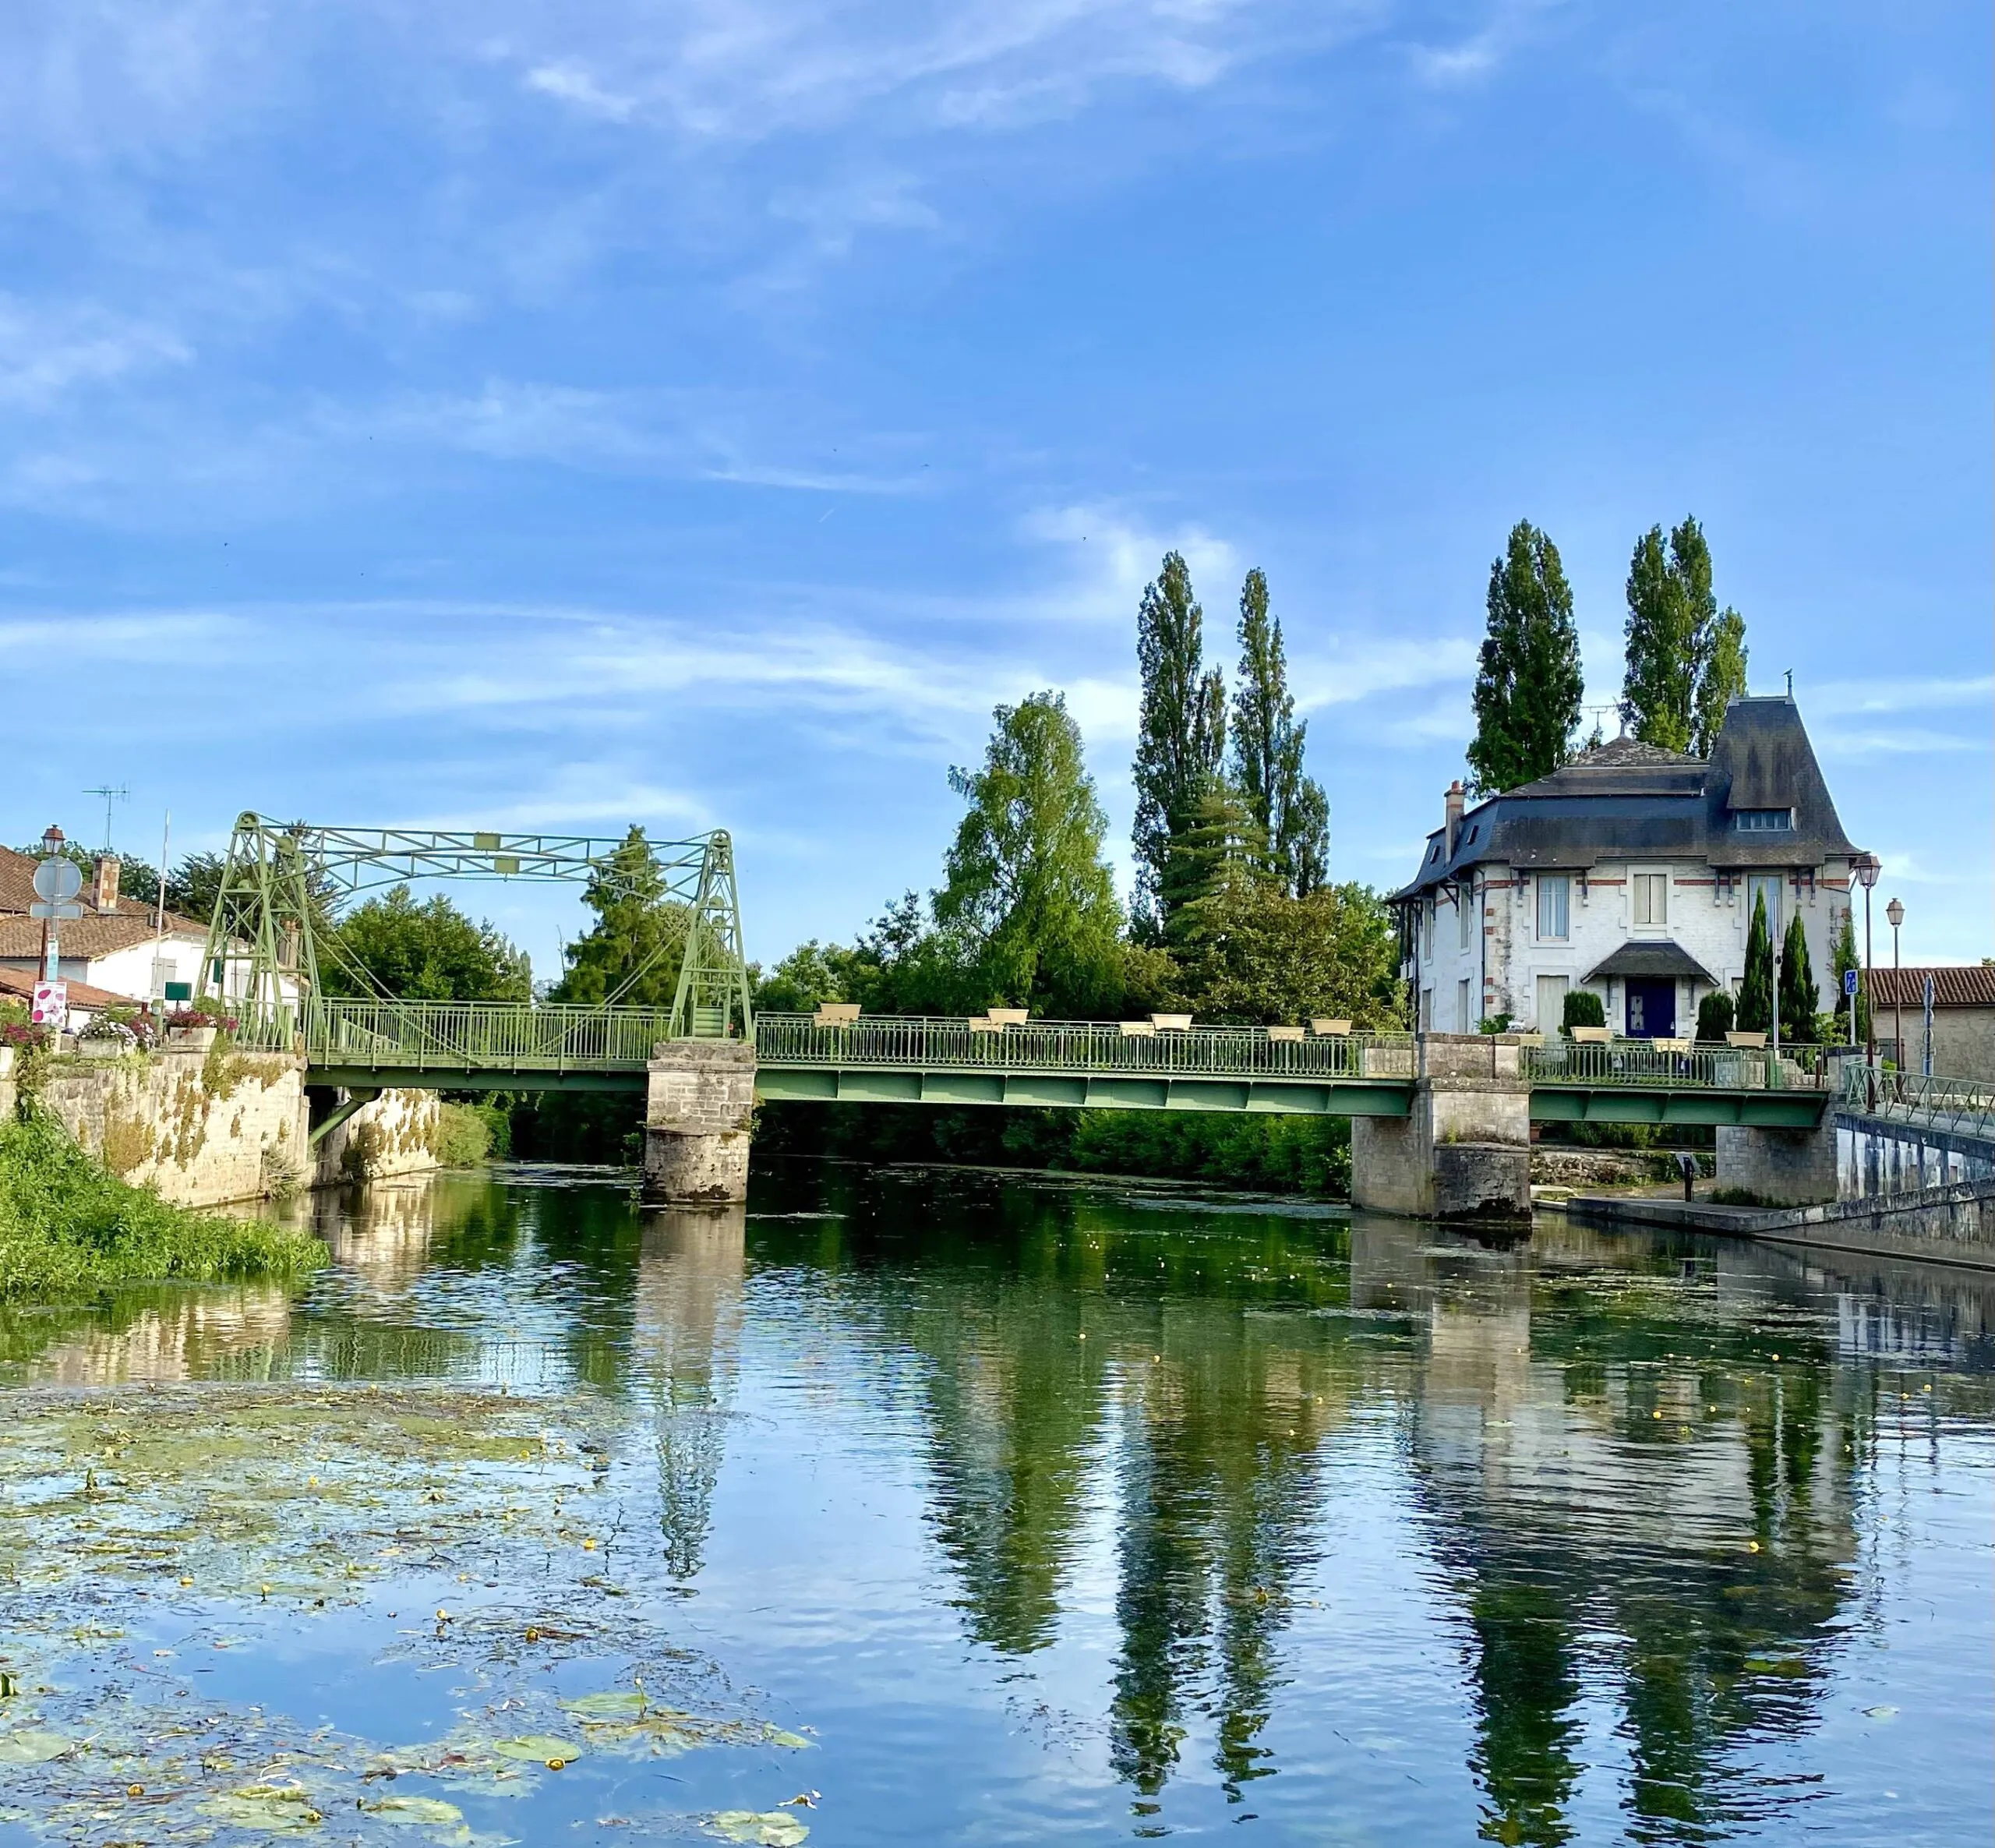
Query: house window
x=1464, y=894
x=1461, y=1005
x=1552, y=1001
x=1651, y=895
x=1426, y=1010
x=1427, y=916
x=1555, y=907
x=1763, y=821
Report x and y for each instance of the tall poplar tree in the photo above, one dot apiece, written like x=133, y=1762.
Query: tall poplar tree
x=1686, y=661
x=1290, y=811
x=1529, y=683
x=1181, y=737
x=1722, y=680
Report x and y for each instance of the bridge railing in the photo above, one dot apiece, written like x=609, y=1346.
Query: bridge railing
x=935, y=1043
x=1641, y=1062
x=1953, y=1106
x=480, y=1036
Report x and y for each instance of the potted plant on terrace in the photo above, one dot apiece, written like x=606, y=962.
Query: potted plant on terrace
x=197, y=1024
x=106, y=1036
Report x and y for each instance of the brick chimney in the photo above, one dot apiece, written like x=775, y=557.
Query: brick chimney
x=104, y=884
x=1452, y=814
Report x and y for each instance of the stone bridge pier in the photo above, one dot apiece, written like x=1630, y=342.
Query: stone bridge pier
x=1463, y=1150
x=700, y=1101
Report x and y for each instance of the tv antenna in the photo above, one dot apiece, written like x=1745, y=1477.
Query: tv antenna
x=117, y=791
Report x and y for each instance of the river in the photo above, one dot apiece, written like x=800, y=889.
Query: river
x=915, y=1506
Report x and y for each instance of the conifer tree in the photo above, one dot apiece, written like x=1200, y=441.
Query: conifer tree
x=1756, y=992
x=1847, y=960
x=1288, y=809
x=1800, y=997
x=1529, y=684
x=1181, y=736
x=1686, y=662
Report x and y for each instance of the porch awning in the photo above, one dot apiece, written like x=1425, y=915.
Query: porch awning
x=1653, y=958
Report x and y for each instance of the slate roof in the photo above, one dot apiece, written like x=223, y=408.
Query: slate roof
x=1629, y=800
x=1639, y=957
x=1955, y=985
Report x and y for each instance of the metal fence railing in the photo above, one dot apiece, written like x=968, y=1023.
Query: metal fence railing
x=1642, y=1063
x=1078, y=1046
x=471, y=1036
x=1950, y=1106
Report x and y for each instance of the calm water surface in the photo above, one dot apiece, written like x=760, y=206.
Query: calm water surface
x=1000, y=1510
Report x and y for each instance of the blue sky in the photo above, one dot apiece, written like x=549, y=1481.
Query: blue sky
x=526, y=416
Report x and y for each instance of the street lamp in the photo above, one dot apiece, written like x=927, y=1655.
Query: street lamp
x=1894, y=911
x=1866, y=866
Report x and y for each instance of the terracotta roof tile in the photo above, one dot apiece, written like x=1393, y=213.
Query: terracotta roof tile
x=20, y=984
x=1955, y=985
x=92, y=935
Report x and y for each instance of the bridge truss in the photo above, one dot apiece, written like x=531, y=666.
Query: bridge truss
x=270, y=943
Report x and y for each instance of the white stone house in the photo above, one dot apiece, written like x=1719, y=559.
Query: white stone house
x=1632, y=871
x=115, y=946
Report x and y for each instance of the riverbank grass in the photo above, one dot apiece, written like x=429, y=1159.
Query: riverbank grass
x=70, y=1228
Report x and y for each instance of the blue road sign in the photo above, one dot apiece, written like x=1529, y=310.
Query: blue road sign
x=1849, y=981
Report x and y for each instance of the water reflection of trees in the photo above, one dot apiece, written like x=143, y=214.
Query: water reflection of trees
x=1691, y=1565
x=1625, y=1492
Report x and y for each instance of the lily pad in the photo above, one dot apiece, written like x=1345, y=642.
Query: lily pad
x=768, y=1828
x=30, y=1747
x=615, y=1704
x=542, y=1747
x=425, y=1812
x=283, y=1809
x=794, y=1741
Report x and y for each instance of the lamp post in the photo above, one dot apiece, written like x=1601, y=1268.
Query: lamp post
x=1866, y=866
x=51, y=965
x=1894, y=912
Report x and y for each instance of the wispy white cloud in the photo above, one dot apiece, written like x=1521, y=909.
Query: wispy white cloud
x=49, y=351
x=1907, y=741
x=1844, y=699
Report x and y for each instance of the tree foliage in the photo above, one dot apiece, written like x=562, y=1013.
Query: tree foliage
x=1181, y=736
x=1268, y=959
x=634, y=948
x=1686, y=661
x=426, y=951
x=1529, y=683
x=1288, y=809
x=1755, y=990
x=1715, y=1015
x=1026, y=888
x=1800, y=997
x=1847, y=958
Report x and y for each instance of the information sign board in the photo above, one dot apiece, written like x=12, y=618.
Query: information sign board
x=51, y=1005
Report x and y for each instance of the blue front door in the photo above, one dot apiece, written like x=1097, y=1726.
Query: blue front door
x=1651, y=1010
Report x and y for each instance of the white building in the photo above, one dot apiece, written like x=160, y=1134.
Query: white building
x=116, y=945
x=1632, y=871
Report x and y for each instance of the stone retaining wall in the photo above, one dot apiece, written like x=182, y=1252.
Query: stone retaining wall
x=203, y=1127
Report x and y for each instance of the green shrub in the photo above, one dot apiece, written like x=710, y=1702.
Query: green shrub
x=1714, y=1016
x=1584, y=1008
x=463, y=1135
x=70, y=1228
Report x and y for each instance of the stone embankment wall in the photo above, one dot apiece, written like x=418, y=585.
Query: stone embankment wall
x=397, y=1134
x=202, y=1126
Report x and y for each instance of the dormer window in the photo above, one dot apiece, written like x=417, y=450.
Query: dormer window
x=1763, y=821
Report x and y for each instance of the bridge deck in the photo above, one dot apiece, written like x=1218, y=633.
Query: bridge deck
x=459, y=1045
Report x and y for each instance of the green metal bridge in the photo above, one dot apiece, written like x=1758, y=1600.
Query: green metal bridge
x=373, y=1045
x=270, y=954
